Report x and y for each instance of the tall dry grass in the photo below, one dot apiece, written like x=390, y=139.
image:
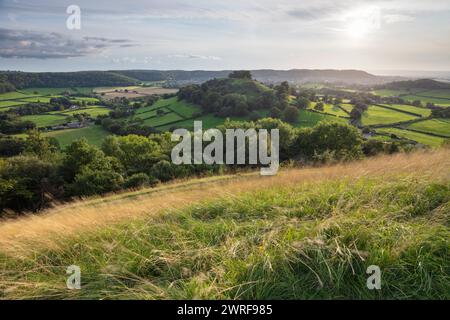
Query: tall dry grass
x=22, y=236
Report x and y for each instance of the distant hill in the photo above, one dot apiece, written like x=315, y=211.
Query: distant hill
x=416, y=84
x=22, y=80
x=9, y=80
x=263, y=75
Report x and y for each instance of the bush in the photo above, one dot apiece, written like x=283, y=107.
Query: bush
x=91, y=182
x=139, y=180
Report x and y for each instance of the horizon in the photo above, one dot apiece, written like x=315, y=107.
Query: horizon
x=211, y=35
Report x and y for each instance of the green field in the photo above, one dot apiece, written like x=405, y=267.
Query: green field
x=39, y=99
x=14, y=95
x=52, y=91
x=11, y=103
x=415, y=136
x=93, y=134
x=347, y=106
x=379, y=115
x=424, y=100
x=445, y=94
x=309, y=119
x=185, y=109
x=330, y=109
x=436, y=126
x=162, y=120
x=45, y=120
x=81, y=99
x=93, y=111
x=424, y=112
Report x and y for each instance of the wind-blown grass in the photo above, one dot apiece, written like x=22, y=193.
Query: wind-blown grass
x=306, y=233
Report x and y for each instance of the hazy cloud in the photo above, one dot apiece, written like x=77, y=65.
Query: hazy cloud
x=39, y=45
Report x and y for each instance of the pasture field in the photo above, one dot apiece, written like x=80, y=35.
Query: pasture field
x=424, y=100
x=185, y=109
x=45, y=99
x=310, y=119
x=307, y=233
x=436, y=126
x=330, y=109
x=422, y=138
x=93, y=111
x=14, y=95
x=390, y=93
x=444, y=94
x=347, y=107
x=424, y=112
x=379, y=115
x=93, y=134
x=45, y=120
x=162, y=120
x=57, y=91
x=86, y=99
x=10, y=103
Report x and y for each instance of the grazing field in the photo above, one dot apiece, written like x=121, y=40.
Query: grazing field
x=347, y=107
x=14, y=95
x=11, y=103
x=379, y=115
x=436, y=126
x=38, y=99
x=93, y=111
x=93, y=134
x=422, y=138
x=307, y=233
x=45, y=120
x=162, y=120
x=85, y=99
x=56, y=91
x=445, y=94
x=185, y=109
x=310, y=119
x=424, y=112
x=330, y=109
x=424, y=100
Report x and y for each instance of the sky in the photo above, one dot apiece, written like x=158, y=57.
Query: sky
x=43, y=35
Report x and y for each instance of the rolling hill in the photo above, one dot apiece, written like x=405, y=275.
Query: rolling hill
x=306, y=233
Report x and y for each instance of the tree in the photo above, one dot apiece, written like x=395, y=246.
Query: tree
x=276, y=113
x=319, y=106
x=27, y=182
x=290, y=114
x=135, y=153
x=80, y=156
x=302, y=103
x=241, y=74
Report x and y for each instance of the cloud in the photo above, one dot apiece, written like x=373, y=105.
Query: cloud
x=194, y=56
x=394, y=18
x=41, y=45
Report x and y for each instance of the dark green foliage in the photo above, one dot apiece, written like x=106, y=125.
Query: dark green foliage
x=290, y=114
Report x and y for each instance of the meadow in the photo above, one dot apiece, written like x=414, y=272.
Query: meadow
x=94, y=134
x=436, y=126
x=378, y=115
x=422, y=138
x=306, y=233
x=45, y=120
x=329, y=108
x=424, y=112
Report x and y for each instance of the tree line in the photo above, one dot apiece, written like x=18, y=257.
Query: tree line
x=35, y=172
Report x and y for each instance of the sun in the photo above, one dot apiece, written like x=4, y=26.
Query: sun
x=358, y=29
x=362, y=22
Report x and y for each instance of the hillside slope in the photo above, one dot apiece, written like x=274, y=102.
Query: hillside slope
x=305, y=233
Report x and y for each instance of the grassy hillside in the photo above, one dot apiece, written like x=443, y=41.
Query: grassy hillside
x=305, y=233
